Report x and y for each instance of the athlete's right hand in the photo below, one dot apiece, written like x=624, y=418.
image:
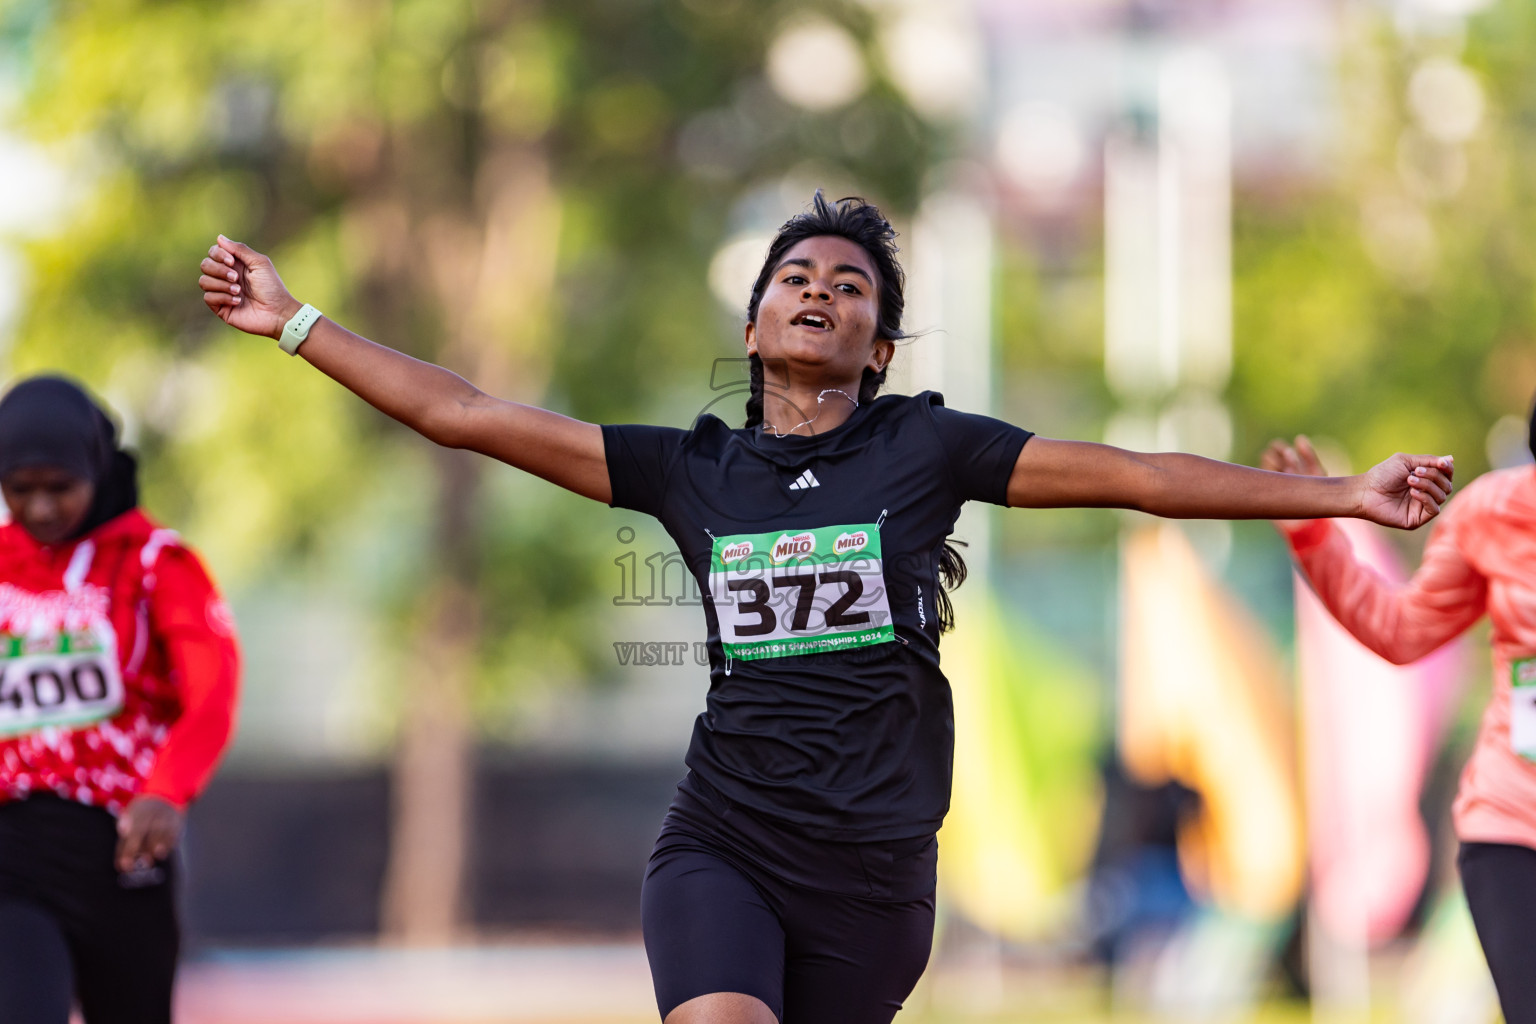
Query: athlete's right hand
x=241, y=287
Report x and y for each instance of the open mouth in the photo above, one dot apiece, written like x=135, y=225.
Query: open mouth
x=814, y=321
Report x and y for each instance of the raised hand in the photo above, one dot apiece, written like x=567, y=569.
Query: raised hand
x=1300, y=459
x=241, y=287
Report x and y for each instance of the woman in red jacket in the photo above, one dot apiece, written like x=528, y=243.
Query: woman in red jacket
x=118, y=677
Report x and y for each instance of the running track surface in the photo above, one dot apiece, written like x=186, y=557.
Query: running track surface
x=590, y=984
x=494, y=985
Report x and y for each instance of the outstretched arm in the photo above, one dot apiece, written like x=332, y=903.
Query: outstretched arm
x=242, y=288
x=1405, y=491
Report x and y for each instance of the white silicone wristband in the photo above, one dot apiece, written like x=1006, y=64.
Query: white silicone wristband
x=297, y=329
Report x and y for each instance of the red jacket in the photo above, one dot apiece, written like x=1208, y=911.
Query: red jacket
x=119, y=668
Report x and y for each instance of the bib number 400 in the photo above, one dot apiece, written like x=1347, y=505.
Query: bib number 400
x=58, y=690
x=45, y=688
x=759, y=602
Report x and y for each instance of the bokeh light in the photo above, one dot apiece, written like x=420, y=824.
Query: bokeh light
x=937, y=58
x=1446, y=98
x=1040, y=147
x=817, y=65
x=734, y=268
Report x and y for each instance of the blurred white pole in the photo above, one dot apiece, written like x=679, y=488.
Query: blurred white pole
x=950, y=295
x=1168, y=262
x=1133, y=221
x=1195, y=112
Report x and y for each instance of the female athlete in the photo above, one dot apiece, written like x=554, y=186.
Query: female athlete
x=118, y=674
x=794, y=875
x=1480, y=558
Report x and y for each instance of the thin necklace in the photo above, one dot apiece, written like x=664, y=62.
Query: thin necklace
x=805, y=423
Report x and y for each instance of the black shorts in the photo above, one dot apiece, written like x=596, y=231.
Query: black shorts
x=72, y=928
x=819, y=931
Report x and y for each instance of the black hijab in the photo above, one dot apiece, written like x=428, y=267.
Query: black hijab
x=51, y=421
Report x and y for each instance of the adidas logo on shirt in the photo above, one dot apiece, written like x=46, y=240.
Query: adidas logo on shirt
x=805, y=482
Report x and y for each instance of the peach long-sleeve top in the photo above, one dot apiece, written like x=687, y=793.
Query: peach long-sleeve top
x=1481, y=557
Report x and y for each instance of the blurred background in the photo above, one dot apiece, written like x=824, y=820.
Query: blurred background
x=1180, y=794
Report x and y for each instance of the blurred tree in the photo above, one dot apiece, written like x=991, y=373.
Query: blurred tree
x=528, y=193
x=1392, y=309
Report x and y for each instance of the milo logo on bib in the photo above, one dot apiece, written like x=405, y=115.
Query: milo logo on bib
x=798, y=546
x=58, y=660
x=800, y=592
x=736, y=552
x=849, y=543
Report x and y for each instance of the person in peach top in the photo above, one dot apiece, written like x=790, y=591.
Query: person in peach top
x=1480, y=559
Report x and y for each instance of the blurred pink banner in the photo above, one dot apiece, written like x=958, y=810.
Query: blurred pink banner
x=1369, y=734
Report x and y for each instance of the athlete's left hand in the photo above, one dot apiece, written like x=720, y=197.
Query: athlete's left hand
x=147, y=830
x=1406, y=491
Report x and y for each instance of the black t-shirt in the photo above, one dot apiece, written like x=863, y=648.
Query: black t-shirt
x=826, y=709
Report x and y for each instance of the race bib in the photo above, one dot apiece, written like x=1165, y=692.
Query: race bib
x=800, y=592
x=1522, y=707
x=59, y=678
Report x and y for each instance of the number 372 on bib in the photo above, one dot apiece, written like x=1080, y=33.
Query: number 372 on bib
x=800, y=591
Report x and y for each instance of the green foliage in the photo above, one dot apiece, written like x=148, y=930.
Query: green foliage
x=1365, y=339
